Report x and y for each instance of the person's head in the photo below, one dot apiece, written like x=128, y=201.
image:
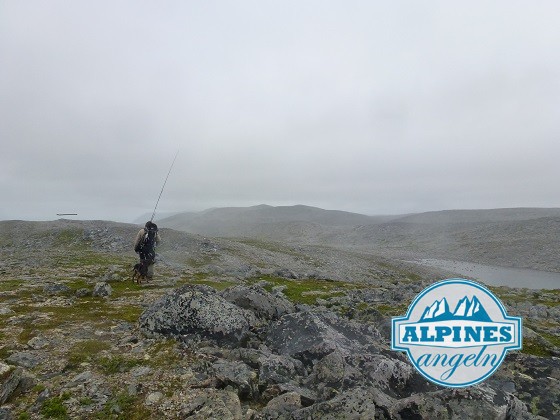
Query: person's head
x=150, y=225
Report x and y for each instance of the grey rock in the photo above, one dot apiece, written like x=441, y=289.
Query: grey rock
x=5, y=414
x=43, y=395
x=358, y=403
x=80, y=379
x=9, y=382
x=212, y=404
x=25, y=359
x=279, y=289
x=309, y=336
x=139, y=371
x=264, y=304
x=197, y=311
x=4, y=369
x=132, y=389
x=275, y=369
x=4, y=310
x=282, y=405
x=83, y=292
x=474, y=402
x=37, y=343
x=154, y=398
x=238, y=375
x=285, y=273
x=102, y=289
x=56, y=289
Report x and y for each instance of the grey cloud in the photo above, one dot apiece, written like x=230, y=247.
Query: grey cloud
x=378, y=107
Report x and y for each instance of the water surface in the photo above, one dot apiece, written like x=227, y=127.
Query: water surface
x=497, y=276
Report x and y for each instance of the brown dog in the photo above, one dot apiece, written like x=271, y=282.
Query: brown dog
x=138, y=273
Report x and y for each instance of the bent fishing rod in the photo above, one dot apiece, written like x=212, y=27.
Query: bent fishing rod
x=165, y=182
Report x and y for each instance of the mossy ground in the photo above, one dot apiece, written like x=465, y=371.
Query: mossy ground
x=307, y=290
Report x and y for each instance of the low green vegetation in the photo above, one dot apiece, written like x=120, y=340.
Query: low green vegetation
x=545, y=297
x=124, y=407
x=116, y=364
x=85, y=351
x=307, y=290
x=535, y=348
x=54, y=407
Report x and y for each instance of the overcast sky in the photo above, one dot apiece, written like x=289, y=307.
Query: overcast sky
x=369, y=106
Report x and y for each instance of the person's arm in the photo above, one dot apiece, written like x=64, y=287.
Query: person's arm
x=139, y=238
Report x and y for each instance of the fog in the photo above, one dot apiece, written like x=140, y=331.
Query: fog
x=372, y=107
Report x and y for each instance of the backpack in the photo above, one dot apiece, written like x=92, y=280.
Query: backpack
x=147, y=246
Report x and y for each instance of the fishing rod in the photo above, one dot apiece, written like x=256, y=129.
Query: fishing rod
x=161, y=192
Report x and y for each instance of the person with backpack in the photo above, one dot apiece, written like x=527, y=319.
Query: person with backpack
x=145, y=247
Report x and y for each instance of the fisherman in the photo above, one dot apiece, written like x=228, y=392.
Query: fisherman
x=145, y=247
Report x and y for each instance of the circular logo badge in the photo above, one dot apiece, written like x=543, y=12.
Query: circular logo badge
x=456, y=333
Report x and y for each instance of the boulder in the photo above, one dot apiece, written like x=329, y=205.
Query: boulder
x=309, y=336
x=359, y=403
x=102, y=289
x=238, y=375
x=262, y=303
x=211, y=404
x=83, y=292
x=37, y=343
x=14, y=381
x=475, y=402
x=282, y=405
x=9, y=380
x=196, y=311
x=56, y=289
x=276, y=369
x=285, y=273
x=25, y=359
x=5, y=414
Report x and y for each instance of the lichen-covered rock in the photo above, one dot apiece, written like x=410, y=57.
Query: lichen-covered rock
x=282, y=405
x=9, y=380
x=262, y=303
x=356, y=404
x=239, y=376
x=211, y=404
x=56, y=289
x=26, y=359
x=5, y=414
x=37, y=343
x=275, y=369
x=14, y=381
x=83, y=292
x=309, y=336
x=197, y=311
x=479, y=402
x=102, y=289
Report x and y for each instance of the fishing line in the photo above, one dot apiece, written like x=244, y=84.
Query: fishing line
x=161, y=192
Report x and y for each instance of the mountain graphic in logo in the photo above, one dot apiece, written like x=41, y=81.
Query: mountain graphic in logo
x=465, y=310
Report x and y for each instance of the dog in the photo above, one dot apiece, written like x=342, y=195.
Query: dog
x=139, y=272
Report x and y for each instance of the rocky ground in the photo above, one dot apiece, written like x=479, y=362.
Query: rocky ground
x=234, y=329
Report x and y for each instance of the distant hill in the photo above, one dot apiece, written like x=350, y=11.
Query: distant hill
x=267, y=221
x=515, y=237
x=480, y=216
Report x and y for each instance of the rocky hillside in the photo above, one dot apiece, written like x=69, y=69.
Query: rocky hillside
x=519, y=237
x=233, y=330
x=265, y=221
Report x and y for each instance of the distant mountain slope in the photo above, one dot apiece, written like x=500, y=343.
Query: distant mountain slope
x=267, y=221
x=532, y=243
x=517, y=237
x=480, y=216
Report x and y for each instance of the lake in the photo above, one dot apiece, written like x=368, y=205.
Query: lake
x=497, y=276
